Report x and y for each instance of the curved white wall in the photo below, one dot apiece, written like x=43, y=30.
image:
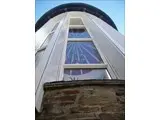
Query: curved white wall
x=42, y=33
x=116, y=37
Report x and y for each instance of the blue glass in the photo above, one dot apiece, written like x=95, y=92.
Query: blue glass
x=78, y=33
x=76, y=71
x=82, y=53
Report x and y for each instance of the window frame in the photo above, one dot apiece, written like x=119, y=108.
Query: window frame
x=103, y=65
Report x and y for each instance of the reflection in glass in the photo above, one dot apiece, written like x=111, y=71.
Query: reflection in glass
x=82, y=53
x=84, y=74
x=78, y=33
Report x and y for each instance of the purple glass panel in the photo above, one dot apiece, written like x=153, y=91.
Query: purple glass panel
x=82, y=53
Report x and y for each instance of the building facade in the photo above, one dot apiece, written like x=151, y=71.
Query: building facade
x=77, y=42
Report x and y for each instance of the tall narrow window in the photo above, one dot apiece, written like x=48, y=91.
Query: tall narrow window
x=83, y=60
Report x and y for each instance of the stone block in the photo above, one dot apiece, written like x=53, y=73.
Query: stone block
x=64, y=103
x=75, y=116
x=84, y=103
x=112, y=116
x=96, y=100
x=50, y=109
x=121, y=99
x=120, y=92
x=46, y=117
x=61, y=118
x=112, y=107
x=82, y=109
x=105, y=116
x=65, y=98
x=68, y=92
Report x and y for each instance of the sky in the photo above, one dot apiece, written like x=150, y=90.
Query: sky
x=114, y=8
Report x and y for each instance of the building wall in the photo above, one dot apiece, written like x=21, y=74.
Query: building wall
x=113, y=55
x=116, y=37
x=50, y=67
x=42, y=33
x=83, y=103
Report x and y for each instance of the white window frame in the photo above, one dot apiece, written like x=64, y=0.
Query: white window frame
x=103, y=65
x=79, y=39
x=72, y=66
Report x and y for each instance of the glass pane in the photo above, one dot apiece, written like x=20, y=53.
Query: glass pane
x=78, y=33
x=84, y=74
x=76, y=21
x=82, y=53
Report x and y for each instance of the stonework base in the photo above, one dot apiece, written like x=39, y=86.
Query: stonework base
x=84, y=101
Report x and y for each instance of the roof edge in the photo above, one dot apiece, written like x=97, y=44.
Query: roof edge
x=68, y=7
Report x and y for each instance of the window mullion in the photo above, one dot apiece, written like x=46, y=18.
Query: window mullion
x=72, y=66
x=76, y=26
x=79, y=39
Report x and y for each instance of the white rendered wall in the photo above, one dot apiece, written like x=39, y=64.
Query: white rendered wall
x=117, y=38
x=47, y=69
x=113, y=55
x=42, y=33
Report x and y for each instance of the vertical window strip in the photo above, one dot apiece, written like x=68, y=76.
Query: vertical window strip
x=79, y=51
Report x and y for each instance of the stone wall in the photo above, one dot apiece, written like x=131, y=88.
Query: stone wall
x=83, y=102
